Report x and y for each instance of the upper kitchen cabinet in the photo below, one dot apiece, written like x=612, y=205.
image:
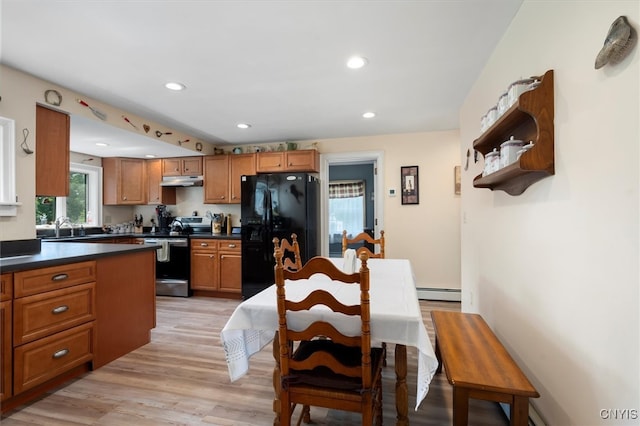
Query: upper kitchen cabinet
x=124, y=181
x=183, y=166
x=52, y=152
x=222, y=177
x=288, y=161
x=157, y=194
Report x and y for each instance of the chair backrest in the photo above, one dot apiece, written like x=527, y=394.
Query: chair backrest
x=363, y=237
x=323, y=329
x=289, y=249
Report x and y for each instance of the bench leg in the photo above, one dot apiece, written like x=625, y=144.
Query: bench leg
x=460, y=406
x=520, y=411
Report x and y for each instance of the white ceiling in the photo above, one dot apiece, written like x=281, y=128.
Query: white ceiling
x=278, y=65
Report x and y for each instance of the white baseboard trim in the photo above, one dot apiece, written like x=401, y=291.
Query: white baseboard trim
x=443, y=294
x=534, y=417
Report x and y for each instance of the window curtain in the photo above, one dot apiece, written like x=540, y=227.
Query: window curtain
x=346, y=208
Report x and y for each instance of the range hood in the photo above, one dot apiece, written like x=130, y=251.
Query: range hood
x=182, y=181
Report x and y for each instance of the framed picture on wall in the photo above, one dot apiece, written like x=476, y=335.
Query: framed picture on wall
x=409, y=182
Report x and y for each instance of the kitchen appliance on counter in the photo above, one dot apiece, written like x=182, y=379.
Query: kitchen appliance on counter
x=173, y=258
x=276, y=205
x=164, y=218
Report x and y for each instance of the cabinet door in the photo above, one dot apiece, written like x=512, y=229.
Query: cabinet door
x=230, y=266
x=270, y=162
x=157, y=194
x=6, y=286
x=171, y=167
x=204, y=270
x=6, y=373
x=216, y=179
x=192, y=166
x=302, y=161
x=52, y=152
x=132, y=181
x=242, y=164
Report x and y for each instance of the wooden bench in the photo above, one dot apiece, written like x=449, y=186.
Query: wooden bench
x=479, y=367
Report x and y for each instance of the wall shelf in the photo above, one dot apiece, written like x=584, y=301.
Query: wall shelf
x=529, y=119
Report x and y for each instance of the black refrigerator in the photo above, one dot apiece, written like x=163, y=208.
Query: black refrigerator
x=276, y=205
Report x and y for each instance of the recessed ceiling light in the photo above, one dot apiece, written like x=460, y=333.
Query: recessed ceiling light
x=243, y=125
x=172, y=85
x=369, y=114
x=150, y=156
x=101, y=144
x=356, y=62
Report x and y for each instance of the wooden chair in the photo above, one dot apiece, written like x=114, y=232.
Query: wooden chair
x=363, y=237
x=290, y=249
x=338, y=372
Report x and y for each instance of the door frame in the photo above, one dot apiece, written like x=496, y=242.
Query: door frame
x=344, y=158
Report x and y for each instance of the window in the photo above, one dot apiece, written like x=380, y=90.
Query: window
x=82, y=206
x=346, y=208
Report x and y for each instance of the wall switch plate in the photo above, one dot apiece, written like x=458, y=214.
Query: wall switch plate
x=392, y=192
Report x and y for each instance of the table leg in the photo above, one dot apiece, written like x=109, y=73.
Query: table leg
x=276, y=380
x=402, y=392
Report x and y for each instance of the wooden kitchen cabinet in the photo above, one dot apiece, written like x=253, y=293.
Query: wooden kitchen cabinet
x=182, y=166
x=124, y=181
x=216, y=267
x=6, y=355
x=216, y=179
x=239, y=164
x=52, y=152
x=157, y=194
x=307, y=160
x=53, y=323
x=222, y=177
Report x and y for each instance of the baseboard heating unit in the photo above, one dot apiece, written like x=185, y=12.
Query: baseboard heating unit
x=443, y=294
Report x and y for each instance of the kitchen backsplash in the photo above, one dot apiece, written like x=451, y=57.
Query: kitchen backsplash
x=188, y=200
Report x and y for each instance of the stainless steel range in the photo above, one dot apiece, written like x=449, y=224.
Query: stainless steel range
x=173, y=258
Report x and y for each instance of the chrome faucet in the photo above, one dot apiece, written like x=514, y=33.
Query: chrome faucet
x=61, y=221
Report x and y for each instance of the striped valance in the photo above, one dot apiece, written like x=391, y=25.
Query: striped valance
x=346, y=189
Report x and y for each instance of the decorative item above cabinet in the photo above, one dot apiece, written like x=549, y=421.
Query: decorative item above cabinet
x=529, y=119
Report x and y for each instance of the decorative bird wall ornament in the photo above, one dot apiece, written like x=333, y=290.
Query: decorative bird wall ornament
x=619, y=42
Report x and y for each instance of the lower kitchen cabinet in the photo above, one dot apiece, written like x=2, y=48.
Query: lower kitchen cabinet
x=6, y=373
x=60, y=321
x=216, y=267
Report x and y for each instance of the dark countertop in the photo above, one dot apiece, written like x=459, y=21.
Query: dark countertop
x=57, y=253
x=96, y=237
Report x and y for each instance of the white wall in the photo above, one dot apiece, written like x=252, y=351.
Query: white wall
x=555, y=270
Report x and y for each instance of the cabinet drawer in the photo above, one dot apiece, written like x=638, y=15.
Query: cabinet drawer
x=44, y=359
x=204, y=244
x=47, y=313
x=46, y=279
x=229, y=245
x=6, y=287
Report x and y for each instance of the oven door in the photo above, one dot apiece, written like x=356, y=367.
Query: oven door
x=172, y=270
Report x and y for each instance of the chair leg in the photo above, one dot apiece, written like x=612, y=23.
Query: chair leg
x=306, y=411
x=285, y=410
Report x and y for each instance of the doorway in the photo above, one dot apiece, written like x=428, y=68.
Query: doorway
x=366, y=166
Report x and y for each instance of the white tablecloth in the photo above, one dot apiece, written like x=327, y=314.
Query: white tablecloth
x=395, y=317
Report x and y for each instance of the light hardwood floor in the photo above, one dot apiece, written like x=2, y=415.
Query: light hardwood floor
x=181, y=378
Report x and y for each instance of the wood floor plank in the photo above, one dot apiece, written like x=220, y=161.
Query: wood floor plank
x=181, y=378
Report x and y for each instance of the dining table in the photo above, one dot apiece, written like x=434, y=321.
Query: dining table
x=395, y=313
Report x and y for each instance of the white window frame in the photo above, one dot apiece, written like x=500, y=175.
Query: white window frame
x=94, y=204
x=8, y=200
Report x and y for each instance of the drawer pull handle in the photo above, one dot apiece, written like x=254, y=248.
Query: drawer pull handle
x=204, y=245
x=232, y=246
x=59, y=277
x=60, y=309
x=60, y=353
